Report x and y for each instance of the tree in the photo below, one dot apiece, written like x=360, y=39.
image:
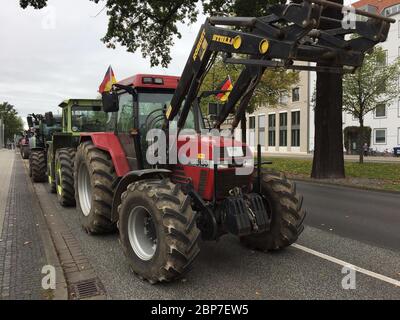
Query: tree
x=151, y=25
x=328, y=161
x=373, y=84
x=12, y=122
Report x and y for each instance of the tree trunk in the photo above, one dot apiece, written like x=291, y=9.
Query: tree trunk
x=328, y=159
x=361, y=140
x=243, y=128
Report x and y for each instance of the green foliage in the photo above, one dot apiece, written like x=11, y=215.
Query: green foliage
x=374, y=83
x=274, y=83
x=151, y=26
x=373, y=175
x=12, y=122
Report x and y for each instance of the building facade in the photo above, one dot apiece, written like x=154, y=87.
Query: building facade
x=385, y=119
x=284, y=128
x=290, y=128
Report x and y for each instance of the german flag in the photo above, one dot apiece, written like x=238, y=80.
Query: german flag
x=226, y=85
x=108, y=81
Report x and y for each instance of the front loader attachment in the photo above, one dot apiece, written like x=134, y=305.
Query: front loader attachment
x=298, y=36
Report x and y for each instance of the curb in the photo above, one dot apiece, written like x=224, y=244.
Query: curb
x=325, y=183
x=61, y=291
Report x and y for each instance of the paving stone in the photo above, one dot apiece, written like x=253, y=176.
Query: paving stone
x=22, y=253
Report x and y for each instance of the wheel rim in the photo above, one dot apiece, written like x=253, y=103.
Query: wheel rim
x=142, y=233
x=84, y=189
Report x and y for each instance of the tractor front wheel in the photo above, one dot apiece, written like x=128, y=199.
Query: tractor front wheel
x=94, y=188
x=158, y=231
x=285, y=207
x=64, y=174
x=37, y=166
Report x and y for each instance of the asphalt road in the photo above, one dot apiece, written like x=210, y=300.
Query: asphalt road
x=367, y=216
x=226, y=270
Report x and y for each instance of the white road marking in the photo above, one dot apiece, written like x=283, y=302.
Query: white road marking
x=349, y=265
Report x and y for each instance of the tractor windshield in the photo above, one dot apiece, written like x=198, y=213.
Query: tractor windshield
x=151, y=112
x=88, y=119
x=151, y=109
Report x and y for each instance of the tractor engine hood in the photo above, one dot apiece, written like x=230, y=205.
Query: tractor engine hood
x=212, y=148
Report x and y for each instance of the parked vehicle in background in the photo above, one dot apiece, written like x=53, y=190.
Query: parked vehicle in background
x=78, y=115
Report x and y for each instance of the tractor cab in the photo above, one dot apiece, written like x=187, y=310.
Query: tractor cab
x=140, y=103
x=84, y=115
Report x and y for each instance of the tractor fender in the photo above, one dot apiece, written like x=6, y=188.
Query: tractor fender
x=110, y=143
x=129, y=178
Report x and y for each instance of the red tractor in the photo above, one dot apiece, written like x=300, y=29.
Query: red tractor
x=162, y=210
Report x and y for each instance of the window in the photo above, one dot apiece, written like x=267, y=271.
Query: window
x=398, y=108
x=398, y=136
x=252, y=122
x=380, y=136
x=283, y=98
x=271, y=130
x=295, y=129
x=252, y=131
x=261, y=130
x=125, y=113
x=380, y=111
x=398, y=28
x=295, y=118
x=86, y=119
x=65, y=117
x=295, y=94
x=283, y=129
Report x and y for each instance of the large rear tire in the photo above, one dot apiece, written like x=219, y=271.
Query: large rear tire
x=158, y=231
x=64, y=174
x=285, y=205
x=94, y=188
x=37, y=166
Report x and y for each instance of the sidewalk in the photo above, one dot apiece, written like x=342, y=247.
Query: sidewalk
x=23, y=252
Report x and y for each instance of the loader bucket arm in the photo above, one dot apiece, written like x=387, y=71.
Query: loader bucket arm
x=290, y=33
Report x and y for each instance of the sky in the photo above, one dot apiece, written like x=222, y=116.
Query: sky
x=49, y=55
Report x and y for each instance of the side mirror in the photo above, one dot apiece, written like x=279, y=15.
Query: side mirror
x=30, y=121
x=49, y=119
x=110, y=102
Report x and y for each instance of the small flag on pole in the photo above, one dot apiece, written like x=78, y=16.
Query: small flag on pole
x=108, y=81
x=226, y=85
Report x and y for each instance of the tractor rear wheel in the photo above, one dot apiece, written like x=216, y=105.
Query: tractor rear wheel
x=287, y=215
x=37, y=166
x=158, y=231
x=94, y=188
x=64, y=174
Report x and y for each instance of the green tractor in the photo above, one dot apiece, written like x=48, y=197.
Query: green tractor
x=78, y=115
x=41, y=130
